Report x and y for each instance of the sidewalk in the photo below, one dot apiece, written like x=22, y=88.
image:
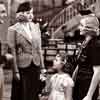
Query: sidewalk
x=7, y=90
x=8, y=78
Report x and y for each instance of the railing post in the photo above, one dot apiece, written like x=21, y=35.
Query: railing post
x=45, y=53
x=64, y=15
x=0, y=48
x=97, y=5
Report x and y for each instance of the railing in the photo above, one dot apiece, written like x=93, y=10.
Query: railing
x=48, y=14
x=54, y=46
x=57, y=45
x=49, y=52
x=68, y=13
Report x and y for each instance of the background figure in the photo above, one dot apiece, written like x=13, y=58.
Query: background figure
x=45, y=34
x=61, y=83
x=24, y=39
x=2, y=58
x=89, y=58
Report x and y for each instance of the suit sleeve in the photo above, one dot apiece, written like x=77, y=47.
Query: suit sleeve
x=11, y=39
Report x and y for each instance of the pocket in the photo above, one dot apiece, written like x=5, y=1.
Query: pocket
x=19, y=50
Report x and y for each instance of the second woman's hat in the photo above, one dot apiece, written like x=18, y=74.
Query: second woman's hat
x=90, y=21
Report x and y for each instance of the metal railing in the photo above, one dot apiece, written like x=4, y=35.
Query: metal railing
x=69, y=12
x=57, y=45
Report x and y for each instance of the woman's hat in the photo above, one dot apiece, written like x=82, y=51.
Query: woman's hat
x=91, y=22
x=24, y=7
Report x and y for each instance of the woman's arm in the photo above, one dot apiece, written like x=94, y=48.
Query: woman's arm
x=12, y=45
x=40, y=49
x=94, y=83
x=74, y=75
x=43, y=70
x=42, y=59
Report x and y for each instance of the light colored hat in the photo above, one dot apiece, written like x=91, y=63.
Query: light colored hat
x=91, y=22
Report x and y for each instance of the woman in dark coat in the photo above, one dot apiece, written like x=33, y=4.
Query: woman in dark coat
x=88, y=62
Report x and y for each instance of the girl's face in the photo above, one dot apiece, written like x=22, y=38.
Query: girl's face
x=29, y=15
x=57, y=63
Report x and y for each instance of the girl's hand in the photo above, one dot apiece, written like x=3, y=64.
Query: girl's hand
x=43, y=77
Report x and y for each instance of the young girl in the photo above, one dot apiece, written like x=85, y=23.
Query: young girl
x=61, y=83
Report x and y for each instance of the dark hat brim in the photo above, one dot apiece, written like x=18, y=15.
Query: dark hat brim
x=24, y=7
x=85, y=12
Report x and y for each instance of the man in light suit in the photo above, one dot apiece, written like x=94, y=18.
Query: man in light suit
x=3, y=57
x=24, y=39
x=3, y=15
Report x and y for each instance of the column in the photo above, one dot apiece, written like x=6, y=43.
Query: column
x=97, y=5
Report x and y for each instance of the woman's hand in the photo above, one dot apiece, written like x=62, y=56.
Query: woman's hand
x=43, y=77
x=9, y=56
x=87, y=98
x=17, y=76
x=43, y=74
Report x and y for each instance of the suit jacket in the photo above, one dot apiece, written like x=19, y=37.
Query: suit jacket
x=24, y=49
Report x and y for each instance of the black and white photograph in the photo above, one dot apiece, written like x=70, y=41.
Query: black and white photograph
x=49, y=49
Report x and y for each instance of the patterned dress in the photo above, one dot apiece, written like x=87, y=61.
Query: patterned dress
x=58, y=84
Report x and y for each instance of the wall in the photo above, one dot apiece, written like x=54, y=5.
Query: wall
x=4, y=27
